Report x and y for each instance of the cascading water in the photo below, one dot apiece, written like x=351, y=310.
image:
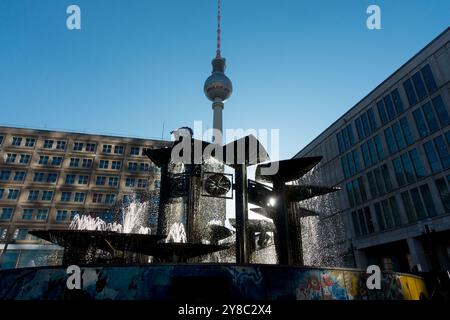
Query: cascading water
x=177, y=233
x=323, y=236
x=134, y=217
x=133, y=220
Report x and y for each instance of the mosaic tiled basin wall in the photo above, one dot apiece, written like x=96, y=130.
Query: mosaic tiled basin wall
x=206, y=282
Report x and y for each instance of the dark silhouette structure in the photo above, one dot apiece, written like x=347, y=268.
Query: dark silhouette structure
x=274, y=202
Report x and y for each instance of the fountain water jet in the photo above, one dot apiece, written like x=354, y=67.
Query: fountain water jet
x=132, y=218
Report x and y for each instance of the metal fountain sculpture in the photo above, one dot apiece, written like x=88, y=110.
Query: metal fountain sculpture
x=190, y=184
x=186, y=179
x=133, y=257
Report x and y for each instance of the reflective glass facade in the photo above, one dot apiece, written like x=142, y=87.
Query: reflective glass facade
x=395, y=178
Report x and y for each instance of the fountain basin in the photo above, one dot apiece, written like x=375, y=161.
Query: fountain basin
x=206, y=282
x=80, y=246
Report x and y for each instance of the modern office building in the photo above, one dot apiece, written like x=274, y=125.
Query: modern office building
x=48, y=177
x=390, y=154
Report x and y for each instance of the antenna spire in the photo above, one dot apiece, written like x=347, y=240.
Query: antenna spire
x=218, y=30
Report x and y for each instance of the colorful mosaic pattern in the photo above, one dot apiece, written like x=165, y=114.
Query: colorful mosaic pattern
x=166, y=282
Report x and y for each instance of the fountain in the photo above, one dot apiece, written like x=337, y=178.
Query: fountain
x=191, y=248
x=191, y=253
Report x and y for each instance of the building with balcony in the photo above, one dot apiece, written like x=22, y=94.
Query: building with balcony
x=48, y=177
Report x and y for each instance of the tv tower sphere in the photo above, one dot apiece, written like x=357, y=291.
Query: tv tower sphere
x=218, y=86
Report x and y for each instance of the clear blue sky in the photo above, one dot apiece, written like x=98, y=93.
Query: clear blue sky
x=295, y=65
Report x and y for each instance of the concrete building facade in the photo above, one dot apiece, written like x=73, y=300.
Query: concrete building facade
x=390, y=154
x=48, y=177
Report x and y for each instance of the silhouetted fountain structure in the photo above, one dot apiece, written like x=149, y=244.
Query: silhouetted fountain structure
x=185, y=231
x=116, y=265
x=191, y=228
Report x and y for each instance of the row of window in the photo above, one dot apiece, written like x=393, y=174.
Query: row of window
x=108, y=148
x=356, y=192
x=33, y=214
x=379, y=181
x=389, y=107
x=372, y=151
x=437, y=152
x=47, y=177
x=6, y=175
x=115, y=165
x=6, y=213
x=46, y=160
x=351, y=163
x=41, y=214
x=66, y=196
x=88, y=147
x=379, y=184
x=77, y=146
x=366, y=124
x=55, y=160
x=62, y=214
x=420, y=85
x=59, y=145
x=80, y=179
x=30, y=142
x=42, y=195
x=417, y=203
x=71, y=179
x=140, y=183
x=345, y=138
x=431, y=117
x=47, y=195
x=387, y=214
x=109, y=198
x=12, y=158
x=408, y=169
x=10, y=194
x=398, y=136
x=362, y=221
x=443, y=186
x=19, y=234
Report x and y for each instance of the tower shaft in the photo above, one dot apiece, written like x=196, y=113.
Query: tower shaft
x=218, y=86
x=217, y=107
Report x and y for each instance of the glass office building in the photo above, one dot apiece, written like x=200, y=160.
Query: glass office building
x=390, y=154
